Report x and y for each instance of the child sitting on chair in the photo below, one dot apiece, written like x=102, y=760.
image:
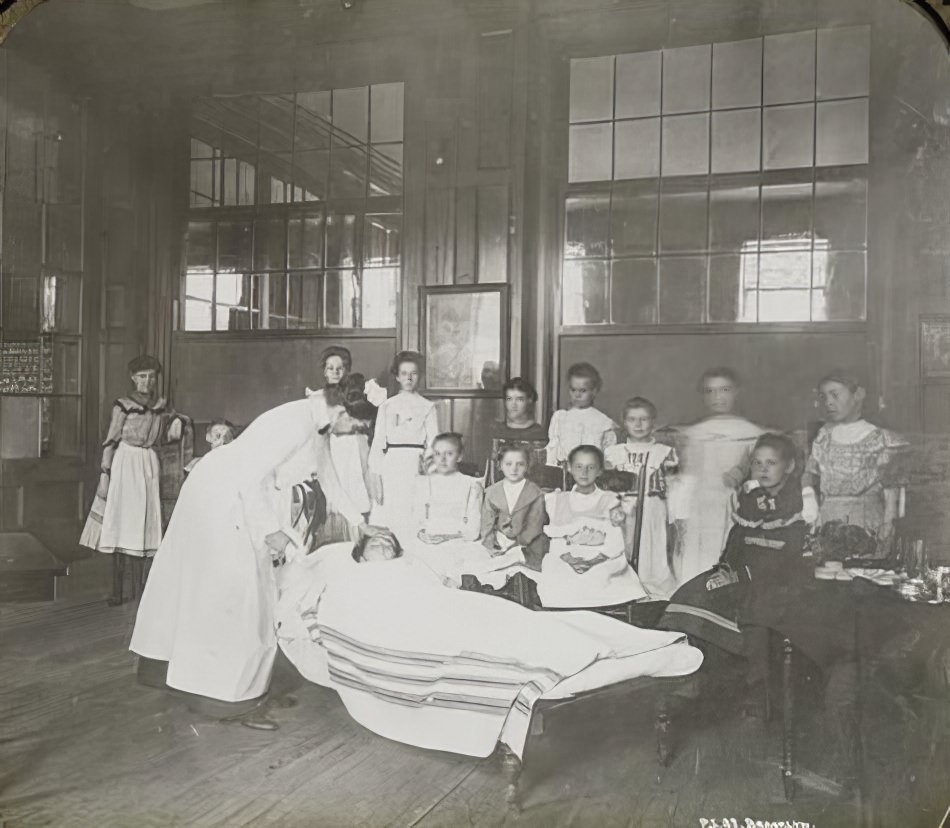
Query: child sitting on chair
x=513, y=512
x=642, y=454
x=219, y=433
x=585, y=565
x=581, y=424
x=762, y=551
x=448, y=503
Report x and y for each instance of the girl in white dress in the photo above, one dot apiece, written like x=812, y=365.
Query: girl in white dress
x=581, y=424
x=406, y=426
x=715, y=461
x=642, y=454
x=585, y=565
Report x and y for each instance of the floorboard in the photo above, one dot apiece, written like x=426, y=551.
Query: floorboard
x=83, y=744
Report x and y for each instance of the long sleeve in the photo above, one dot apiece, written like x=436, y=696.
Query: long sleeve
x=377, y=450
x=554, y=440
x=489, y=521
x=431, y=426
x=419, y=501
x=534, y=522
x=113, y=437
x=471, y=529
x=608, y=439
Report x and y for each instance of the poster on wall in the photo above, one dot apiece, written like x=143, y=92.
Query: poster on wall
x=935, y=347
x=465, y=337
x=26, y=367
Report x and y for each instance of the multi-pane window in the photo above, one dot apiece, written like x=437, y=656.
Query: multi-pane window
x=296, y=217
x=719, y=183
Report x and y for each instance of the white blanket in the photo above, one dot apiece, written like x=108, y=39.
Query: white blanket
x=449, y=670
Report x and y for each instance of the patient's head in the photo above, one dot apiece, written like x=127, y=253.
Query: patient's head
x=376, y=544
x=447, y=452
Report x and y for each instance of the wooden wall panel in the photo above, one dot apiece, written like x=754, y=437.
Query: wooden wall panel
x=779, y=371
x=494, y=100
x=239, y=378
x=493, y=229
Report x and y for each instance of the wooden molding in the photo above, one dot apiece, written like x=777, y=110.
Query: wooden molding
x=937, y=12
x=12, y=12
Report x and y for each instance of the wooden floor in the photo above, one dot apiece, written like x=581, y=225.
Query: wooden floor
x=82, y=744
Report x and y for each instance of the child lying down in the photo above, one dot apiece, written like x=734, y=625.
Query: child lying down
x=443, y=669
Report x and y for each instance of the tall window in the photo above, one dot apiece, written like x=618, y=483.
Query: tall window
x=719, y=183
x=296, y=211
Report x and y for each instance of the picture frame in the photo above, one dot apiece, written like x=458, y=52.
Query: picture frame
x=464, y=338
x=935, y=348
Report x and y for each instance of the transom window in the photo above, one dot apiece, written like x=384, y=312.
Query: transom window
x=296, y=211
x=719, y=183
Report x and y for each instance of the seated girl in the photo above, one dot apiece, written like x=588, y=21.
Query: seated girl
x=513, y=512
x=756, y=579
x=585, y=565
x=518, y=426
x=642, y=454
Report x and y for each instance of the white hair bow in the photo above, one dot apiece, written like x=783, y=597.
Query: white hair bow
x=375, y=393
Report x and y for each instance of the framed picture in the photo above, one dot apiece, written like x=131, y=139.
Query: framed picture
x=465, y=338
x=935, y=347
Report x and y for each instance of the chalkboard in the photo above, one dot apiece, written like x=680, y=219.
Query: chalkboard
x=26, y=367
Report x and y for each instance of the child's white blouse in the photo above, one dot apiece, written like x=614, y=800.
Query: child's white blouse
x=572, y=427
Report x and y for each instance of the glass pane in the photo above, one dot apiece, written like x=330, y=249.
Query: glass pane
x=787, y=211
x=306, y=241
x=841, y=209
x=234, y=299
x=780, y=269
x=734, y=215
x=638, y=84
x=315, y=103
x=386, y=112
x=736, y=140
x=21, y=304
x=199, y=286
x=492, y=226
x=732, y=287
x=585, y=231
x=842, y=297
x=379, y=297
x=273, y=296
x=347, y=170
x=67, y=356
x=202, y=186
x=234, y=246
x=382, y=239
x=686, y=145
x=197, y=315
x=277, y=123
x=61, y=424
x=789, y=68
x=592, y=89
x=585, y=299
x=64, y=236
x=842, y=133
x=62, y=303
x=844, y=61
x=683, y=216
x=385, y=169
x=230, y=182
x=637, y=149
x=633, y=292
x=633, y=218
x=783, y=306
x=270, y=244
x=341, y=240
x=342, y=298
x=304, y=300
x=686, y=79
x=590, y=153
x=682, y=289
x=199, y=245
x=310, y=174
x=351, y=114
x=789, y=136
x=312, y=130
x=737, y=74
